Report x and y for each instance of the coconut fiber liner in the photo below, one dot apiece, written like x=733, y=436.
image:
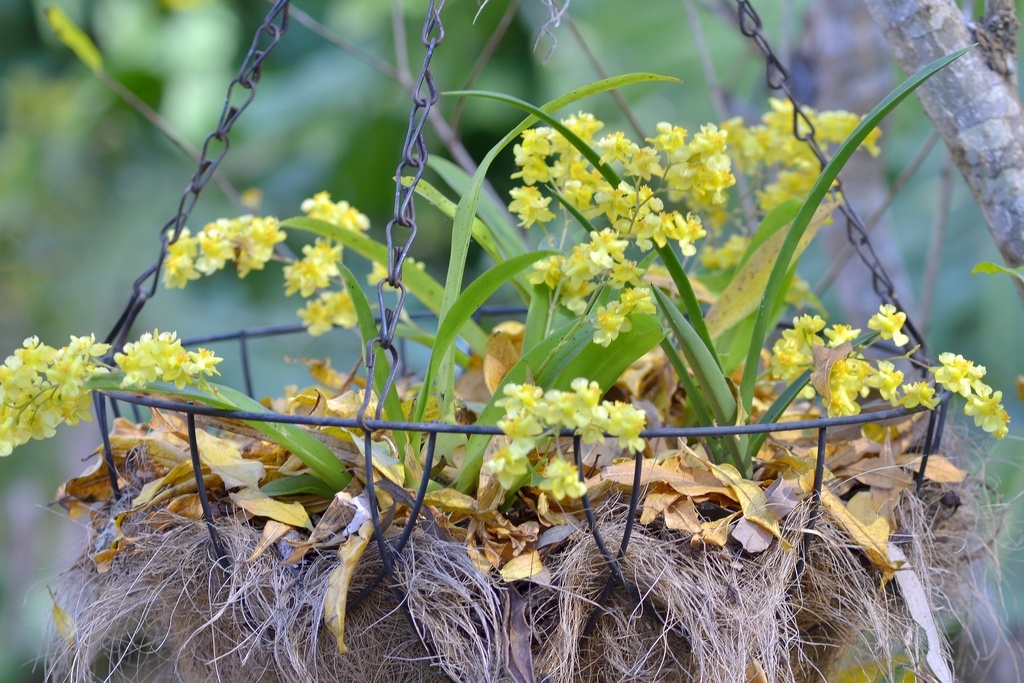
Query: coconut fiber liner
x=165, y=611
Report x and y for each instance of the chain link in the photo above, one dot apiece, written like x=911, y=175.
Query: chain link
x=215, y=148
x=401, y=229
x=777, y=78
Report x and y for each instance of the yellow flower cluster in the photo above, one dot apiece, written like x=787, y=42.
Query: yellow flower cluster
x=963, y=377
x=160, y=357
x=248, y=241
x=319, y=263
x=697, y=171
x=852, y=377
x=319, y=266
x=772, y=145
x=342, y=214
x=576, y=277
x=726, y=256
x=329, y=309
x=612, y=320
x=42, y=386
x=531, y=412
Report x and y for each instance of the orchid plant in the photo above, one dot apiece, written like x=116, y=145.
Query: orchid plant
x=649, y=301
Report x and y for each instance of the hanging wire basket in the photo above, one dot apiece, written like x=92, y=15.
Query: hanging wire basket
x=609, y=580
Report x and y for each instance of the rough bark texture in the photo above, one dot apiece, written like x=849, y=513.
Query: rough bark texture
x=974, y=103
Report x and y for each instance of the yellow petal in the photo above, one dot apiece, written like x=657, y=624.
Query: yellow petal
x=260, y=504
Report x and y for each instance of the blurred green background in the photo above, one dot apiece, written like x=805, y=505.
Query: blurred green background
x=86, y=183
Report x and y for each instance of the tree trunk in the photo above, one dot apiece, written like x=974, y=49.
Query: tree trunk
x=974, y=103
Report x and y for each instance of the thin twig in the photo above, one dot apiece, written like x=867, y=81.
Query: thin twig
x=725, y=10
x=933, y=260
x=348, y=46
x=401, y=49
x=483, y=60
x=706, y=63
x=718, y=100
x=785, y=51
x=595, y=64
x=848, y=249
x=448, y=137
x=158, y=122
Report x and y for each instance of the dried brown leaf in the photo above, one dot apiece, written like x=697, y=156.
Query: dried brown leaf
x=660, y=497
x=750, y=496
x=783, y=497
x=715, y=532
x=939, y=468
x=872, y=537
x=257, y=503
x=501, y=354
x=520, y=640
x=336, y=598
x=915, y=596
x=682, y=516
x=273, y=531
x=526, y=567
x=753, y=537
x=824, y=358
x=187, y=505
x=686, y=481
x=224, y=459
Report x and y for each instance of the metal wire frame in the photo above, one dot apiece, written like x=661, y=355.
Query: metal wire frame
x=389, y=551
x=414, y=159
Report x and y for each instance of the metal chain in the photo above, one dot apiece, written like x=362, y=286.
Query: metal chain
x=414, y=160
x=777, y=78
x=215, y=148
